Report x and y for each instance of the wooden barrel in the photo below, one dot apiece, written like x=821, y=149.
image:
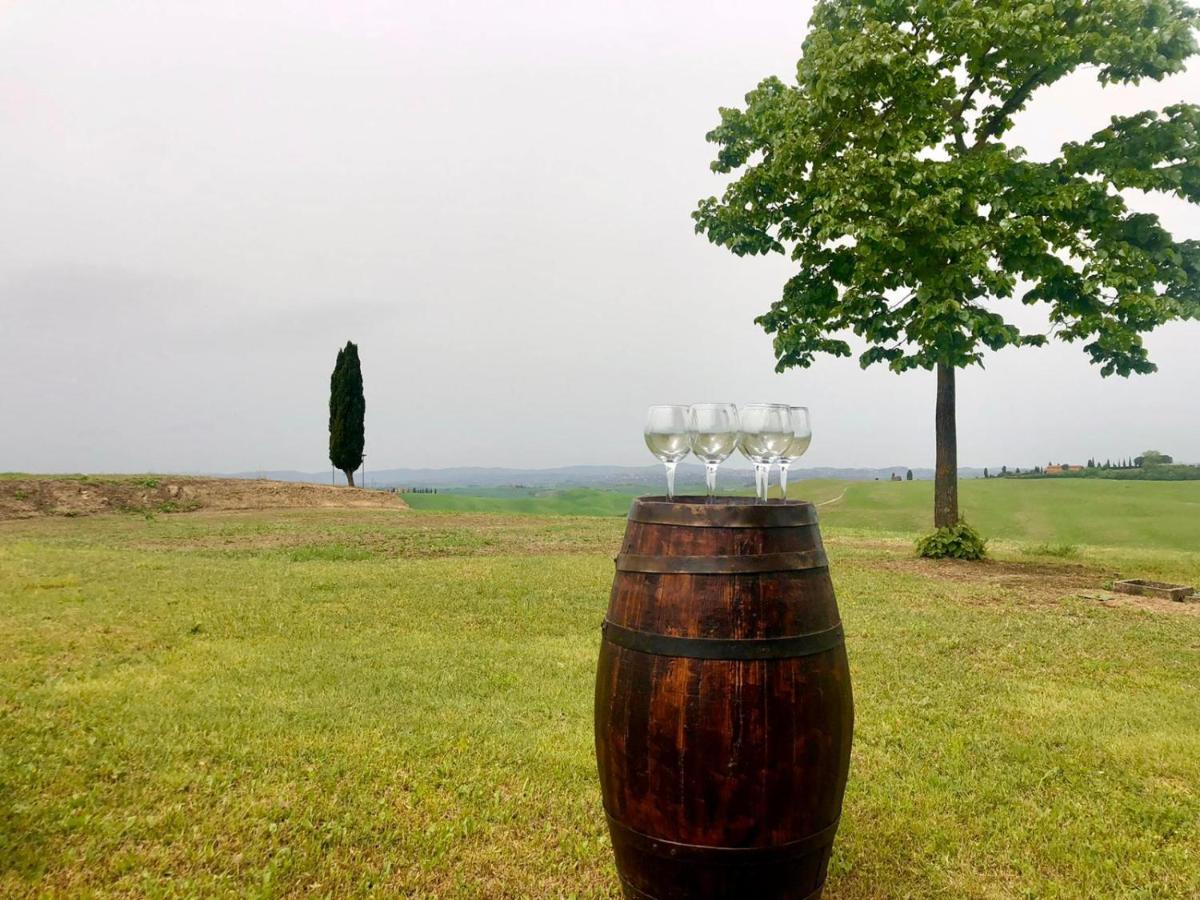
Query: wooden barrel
x=723, y=705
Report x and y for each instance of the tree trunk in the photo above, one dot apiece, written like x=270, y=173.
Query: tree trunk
x=349, y=473
x=945, y=479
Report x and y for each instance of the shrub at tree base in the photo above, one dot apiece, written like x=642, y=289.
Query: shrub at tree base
x=959, y=541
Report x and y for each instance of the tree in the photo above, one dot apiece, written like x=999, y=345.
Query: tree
x=1004, y=470
x=883, y=173
x=985, y=472
x=908, y=475
x=347, y=409
x=1152, y=458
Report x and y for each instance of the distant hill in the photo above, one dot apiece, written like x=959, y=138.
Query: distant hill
x=584, y=476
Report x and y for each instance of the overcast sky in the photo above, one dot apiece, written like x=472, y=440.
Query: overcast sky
x=202, y=201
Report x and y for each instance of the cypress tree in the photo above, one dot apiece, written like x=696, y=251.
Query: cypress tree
x=347, y=410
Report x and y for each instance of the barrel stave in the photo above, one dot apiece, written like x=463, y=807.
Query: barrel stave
x=684, y=540
x=742, y=606
x=739, y=754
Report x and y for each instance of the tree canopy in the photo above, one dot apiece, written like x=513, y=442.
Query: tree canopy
x=1153, y=458
x=883, y=172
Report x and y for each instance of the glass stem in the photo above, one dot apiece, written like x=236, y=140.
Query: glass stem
x=783, y=467
x=760, y=480
x=710, y=478
x=671, y=479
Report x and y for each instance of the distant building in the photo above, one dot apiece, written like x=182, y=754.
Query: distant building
x=1062, y=469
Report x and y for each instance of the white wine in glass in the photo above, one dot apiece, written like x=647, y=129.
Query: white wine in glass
x=766, y=433
x=797, y=447
x=715, y=433
x=669, y=438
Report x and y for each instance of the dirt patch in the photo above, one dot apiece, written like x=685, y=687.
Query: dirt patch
x=25, y=498
x=1034, y=582
x=1153, y=604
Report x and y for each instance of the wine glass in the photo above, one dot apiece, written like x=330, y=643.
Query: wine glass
x=766, y=433
x=667, y=436
x=796, y=448
x=715, y=432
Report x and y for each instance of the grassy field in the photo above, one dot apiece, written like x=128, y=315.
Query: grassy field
x=1160, y=514
x=576, y=501
x=1047, y=511
x=333, y=702
x=545, y=502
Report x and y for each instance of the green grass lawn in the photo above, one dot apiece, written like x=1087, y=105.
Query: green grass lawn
x=334, y=702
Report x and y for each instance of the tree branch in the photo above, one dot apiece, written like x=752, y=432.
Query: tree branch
x=1014, y=101
x=1021, y=94
x=972, y=88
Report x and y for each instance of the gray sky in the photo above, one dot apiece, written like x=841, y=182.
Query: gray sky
x=202, y=201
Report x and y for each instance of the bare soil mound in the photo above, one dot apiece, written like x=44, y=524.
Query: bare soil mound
x=23, y=498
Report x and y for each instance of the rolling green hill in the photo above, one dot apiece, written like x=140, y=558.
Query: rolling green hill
x=537, y=501
x=1163, y=515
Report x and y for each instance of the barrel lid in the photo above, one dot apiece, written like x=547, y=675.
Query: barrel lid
x=723, y=512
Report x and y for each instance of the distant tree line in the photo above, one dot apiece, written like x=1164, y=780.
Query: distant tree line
x=1151, y=465
x=1003, y=473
